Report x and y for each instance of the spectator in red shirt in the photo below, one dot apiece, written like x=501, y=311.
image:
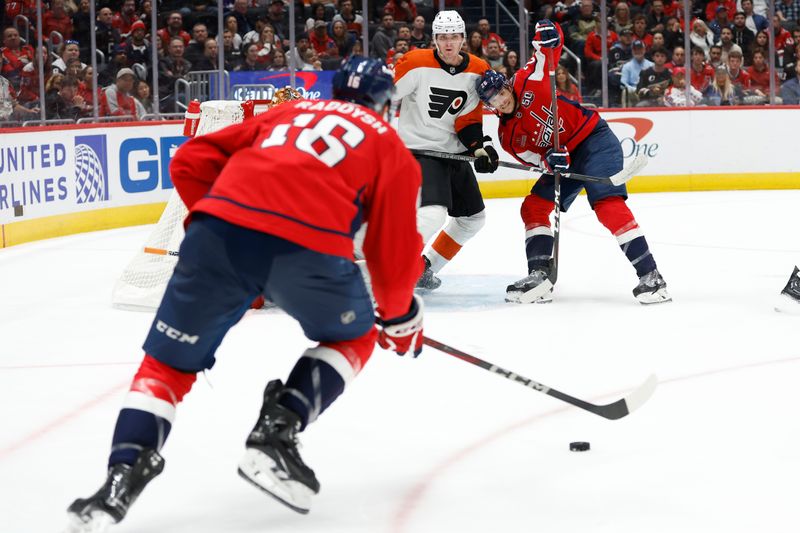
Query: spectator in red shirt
x=401, y=10
x=592, y=53
x=174, y=28
x=736, y=73
x=118, y=98
x=711, y=7
x=14, y=56
x=782, y=37
x=678, y=58
x=640, y=31
x=57, y=19
x=401, y=46
x=564, y=85
x=702, y=72
x=124, y=19
x=322, y=44
x=759, y=72
x=20, y=7
x=487, y=35
x=28, y=93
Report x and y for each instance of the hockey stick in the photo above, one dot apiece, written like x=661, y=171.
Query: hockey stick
x=552, y=276
x=623, y=176
x=612, y=411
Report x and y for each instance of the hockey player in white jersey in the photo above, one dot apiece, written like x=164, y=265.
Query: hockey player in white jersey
x=440, y=111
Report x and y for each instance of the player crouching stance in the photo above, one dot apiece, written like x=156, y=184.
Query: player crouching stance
x=588, y=147
x=274, y=203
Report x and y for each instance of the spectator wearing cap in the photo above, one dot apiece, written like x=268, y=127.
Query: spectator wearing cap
x=107, y=36
x=173, y=29
x=124, y=19
x=656, y=18
x=14, y=56
x=790, y=90
x=621, y=51
x=57, y=19
x=297, y=54
x=788, y=10
x=196, y=47
x=117, y=62
x=118, y=98
x=653, y=81
x=276, y=13
x=384, y=37
x=319, y=40
x=753, y=21
x=719, y=22
x=675, y=95
x=136, y=47
x=701, y=37
x=352, y=20
x=712, y=7
x=742, y=36
x=631, y=71
x=702, y=73
x=67, y=51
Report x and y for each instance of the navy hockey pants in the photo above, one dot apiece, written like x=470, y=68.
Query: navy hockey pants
x=598, y=155
x=223, y=267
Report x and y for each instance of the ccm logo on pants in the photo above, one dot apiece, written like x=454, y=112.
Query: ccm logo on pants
x=173, y=333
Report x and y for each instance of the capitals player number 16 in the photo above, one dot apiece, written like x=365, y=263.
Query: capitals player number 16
x=332, y=150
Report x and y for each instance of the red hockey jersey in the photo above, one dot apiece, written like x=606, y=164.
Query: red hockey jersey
x=311, y=172
x=528, y=133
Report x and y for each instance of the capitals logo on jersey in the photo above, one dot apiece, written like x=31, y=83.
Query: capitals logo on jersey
x=445, y=100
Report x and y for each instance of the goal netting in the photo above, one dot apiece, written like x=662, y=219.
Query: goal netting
x=141, y=285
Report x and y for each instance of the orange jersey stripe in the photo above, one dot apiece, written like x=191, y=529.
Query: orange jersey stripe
x=423, y=57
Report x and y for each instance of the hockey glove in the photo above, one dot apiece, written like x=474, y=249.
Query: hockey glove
x=403, y=333
x=546, y=35
x=486, y=157
x=557, y=160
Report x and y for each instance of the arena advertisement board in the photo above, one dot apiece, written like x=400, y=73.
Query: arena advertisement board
x=312, y=84
x=66, y=171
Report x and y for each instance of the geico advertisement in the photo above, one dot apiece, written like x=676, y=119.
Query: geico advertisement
x=65, y=171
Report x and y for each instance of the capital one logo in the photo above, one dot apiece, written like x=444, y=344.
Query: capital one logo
x=632, y=136
x=445, y=101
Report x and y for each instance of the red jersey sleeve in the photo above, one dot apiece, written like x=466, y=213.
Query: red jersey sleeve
x=199, y=161
x=393, y=246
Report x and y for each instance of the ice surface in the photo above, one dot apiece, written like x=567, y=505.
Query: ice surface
x=434, y=444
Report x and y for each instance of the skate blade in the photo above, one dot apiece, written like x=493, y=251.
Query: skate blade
x=787, y=304
x=260, y=470
x=659, y=297
x=98, y=522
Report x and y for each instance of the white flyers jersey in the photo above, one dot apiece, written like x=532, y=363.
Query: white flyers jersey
x=437, y=100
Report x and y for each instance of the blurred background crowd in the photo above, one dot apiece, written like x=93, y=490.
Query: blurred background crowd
x=66, y=61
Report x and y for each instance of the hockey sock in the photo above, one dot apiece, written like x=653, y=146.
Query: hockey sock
x=535, y=213
x=430, y=219
x=450, y=240
x=322, y=374
x=148, y=410
x=615, y=215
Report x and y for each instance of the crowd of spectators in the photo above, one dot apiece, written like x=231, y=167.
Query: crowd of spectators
x=647, y=63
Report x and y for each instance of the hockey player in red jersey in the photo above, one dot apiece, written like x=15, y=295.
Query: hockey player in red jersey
x=273, y=206
x=440, y=111
x=588, y=146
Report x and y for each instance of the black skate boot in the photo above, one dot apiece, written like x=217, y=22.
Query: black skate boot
x=652, y=289
x=272, y=461
x=790, y=295
x=428, y=280
x=110, y=504
x=533, y=288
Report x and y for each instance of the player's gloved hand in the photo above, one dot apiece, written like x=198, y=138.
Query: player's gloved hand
x=486, y=157
x=546, y=35
x=557, y=160
x=403, y=333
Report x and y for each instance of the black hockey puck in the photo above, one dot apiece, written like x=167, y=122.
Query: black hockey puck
x=579, y=446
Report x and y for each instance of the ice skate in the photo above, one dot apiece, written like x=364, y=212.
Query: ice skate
x=428, y=280
x=272, y=461
x=790, y=295
x=111, y=502
x=533, y=288
x=652, y=289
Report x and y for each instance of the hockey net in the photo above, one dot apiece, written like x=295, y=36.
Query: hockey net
x=144, y=280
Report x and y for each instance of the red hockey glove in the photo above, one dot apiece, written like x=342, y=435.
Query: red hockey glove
x=557, y=160
x=403, y=333
x=486, y=157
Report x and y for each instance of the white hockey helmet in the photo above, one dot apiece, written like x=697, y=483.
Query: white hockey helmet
x=448, y=22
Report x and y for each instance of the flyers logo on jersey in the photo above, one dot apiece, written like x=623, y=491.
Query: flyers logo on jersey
x=445, y=100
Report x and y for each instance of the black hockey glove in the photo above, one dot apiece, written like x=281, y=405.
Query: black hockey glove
x=486, y=157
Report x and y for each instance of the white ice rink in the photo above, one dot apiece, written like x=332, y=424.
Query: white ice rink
x=435, y=444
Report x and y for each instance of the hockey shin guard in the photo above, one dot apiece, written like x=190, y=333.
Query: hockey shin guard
x=535, y=213
x=322, y=374
x=148, y=410
x=615, y=215
x=450, y=240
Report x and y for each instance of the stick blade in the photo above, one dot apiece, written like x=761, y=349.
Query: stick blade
x=625, y=175
x=536, y=292
x=630, y=403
